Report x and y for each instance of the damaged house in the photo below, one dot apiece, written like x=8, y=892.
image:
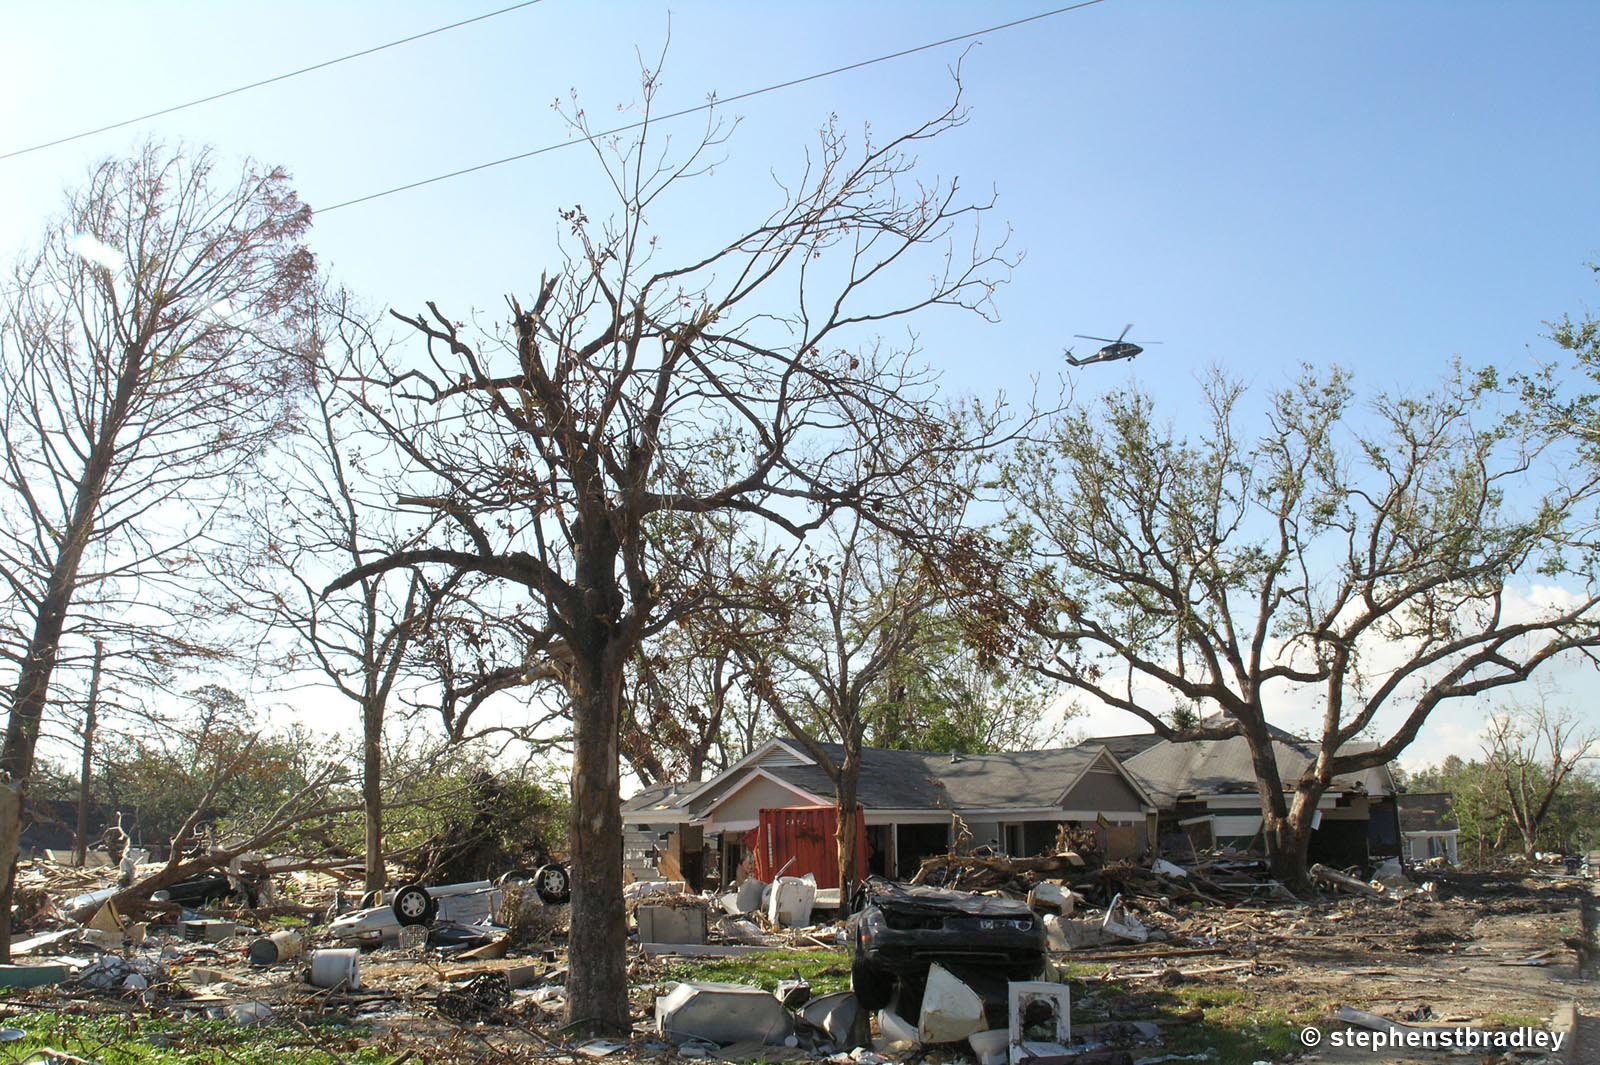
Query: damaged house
x=1207, y=796
x=913, y=804
x=1429, y=826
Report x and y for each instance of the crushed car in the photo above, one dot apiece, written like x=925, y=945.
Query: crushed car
x=897, y=931
x=473, y=903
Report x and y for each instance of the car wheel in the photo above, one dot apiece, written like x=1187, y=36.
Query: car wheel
x=521, y=877
x=413, y=905
x=873, y=987
x=552, y=884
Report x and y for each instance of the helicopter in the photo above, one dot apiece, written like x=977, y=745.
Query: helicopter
x=1113, y=350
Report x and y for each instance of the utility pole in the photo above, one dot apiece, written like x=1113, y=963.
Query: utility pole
x=80, y=843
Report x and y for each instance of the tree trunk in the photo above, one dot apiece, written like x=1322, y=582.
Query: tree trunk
x=1289, y=839
x=80, y=839
x=845, y=834
x=1286, y=852
x=32, y=692
x=1286, y=835
x=1530, y=839
x=597, y=983
x=12, y=793
x=22, y=727
x=372, y=792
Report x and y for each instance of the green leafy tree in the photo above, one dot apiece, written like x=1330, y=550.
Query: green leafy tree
x=941, y=693
x=1476, y=799
x=1369, y=563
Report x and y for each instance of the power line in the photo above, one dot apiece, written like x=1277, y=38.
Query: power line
x=269, y=81
x=709, y=105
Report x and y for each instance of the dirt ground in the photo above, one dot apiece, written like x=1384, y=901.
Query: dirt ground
x=1490, y=952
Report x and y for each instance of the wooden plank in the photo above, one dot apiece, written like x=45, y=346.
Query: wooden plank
x=33, y=943
x=1135, y=954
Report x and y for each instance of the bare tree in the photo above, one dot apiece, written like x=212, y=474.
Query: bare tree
x=856, y=611
x=1531, y=751
x=558, y=449
x=685, y=708
x=151, y=350
x=320, y=520
x=1355, y=571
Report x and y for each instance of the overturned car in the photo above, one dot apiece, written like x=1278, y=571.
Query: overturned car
x=898, y=930
x=472, y=903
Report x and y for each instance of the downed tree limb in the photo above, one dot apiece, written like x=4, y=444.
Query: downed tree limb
x=1349, y=883
x=999, y=866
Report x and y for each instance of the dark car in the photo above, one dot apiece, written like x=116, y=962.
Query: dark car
x=211, y=889
x=898, y=930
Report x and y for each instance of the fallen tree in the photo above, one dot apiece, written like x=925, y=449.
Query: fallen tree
x=191, y=856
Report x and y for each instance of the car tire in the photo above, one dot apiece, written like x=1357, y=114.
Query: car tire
x=873, y=987
x=552, y=884
x=413, y=905
x=521, y=877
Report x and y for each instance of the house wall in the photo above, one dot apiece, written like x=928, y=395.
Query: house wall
x=1341, y=840
x=640, y=846
x=1105, y=790
x=743, y=805
x=985, y=834
x=1424, y=845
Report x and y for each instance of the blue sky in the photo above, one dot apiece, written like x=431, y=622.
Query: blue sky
x=1385, y=185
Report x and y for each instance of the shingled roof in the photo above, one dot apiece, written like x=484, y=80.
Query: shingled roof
x=1125, y=747
x=1171, y=771
x=890, y=779
x=1017, y=778
x=659, y=797
x=896, y=780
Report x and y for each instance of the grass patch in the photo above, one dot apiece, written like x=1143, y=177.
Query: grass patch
x=1075, y=971
x=1235, y=1025
x=283, y=922
x=129, y=1040
x=1514, y=1020
x=828, y=970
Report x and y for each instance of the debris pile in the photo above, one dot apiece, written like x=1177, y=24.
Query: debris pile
x=993, y=974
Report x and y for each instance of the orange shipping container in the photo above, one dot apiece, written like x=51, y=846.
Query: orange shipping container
x=806, y=834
